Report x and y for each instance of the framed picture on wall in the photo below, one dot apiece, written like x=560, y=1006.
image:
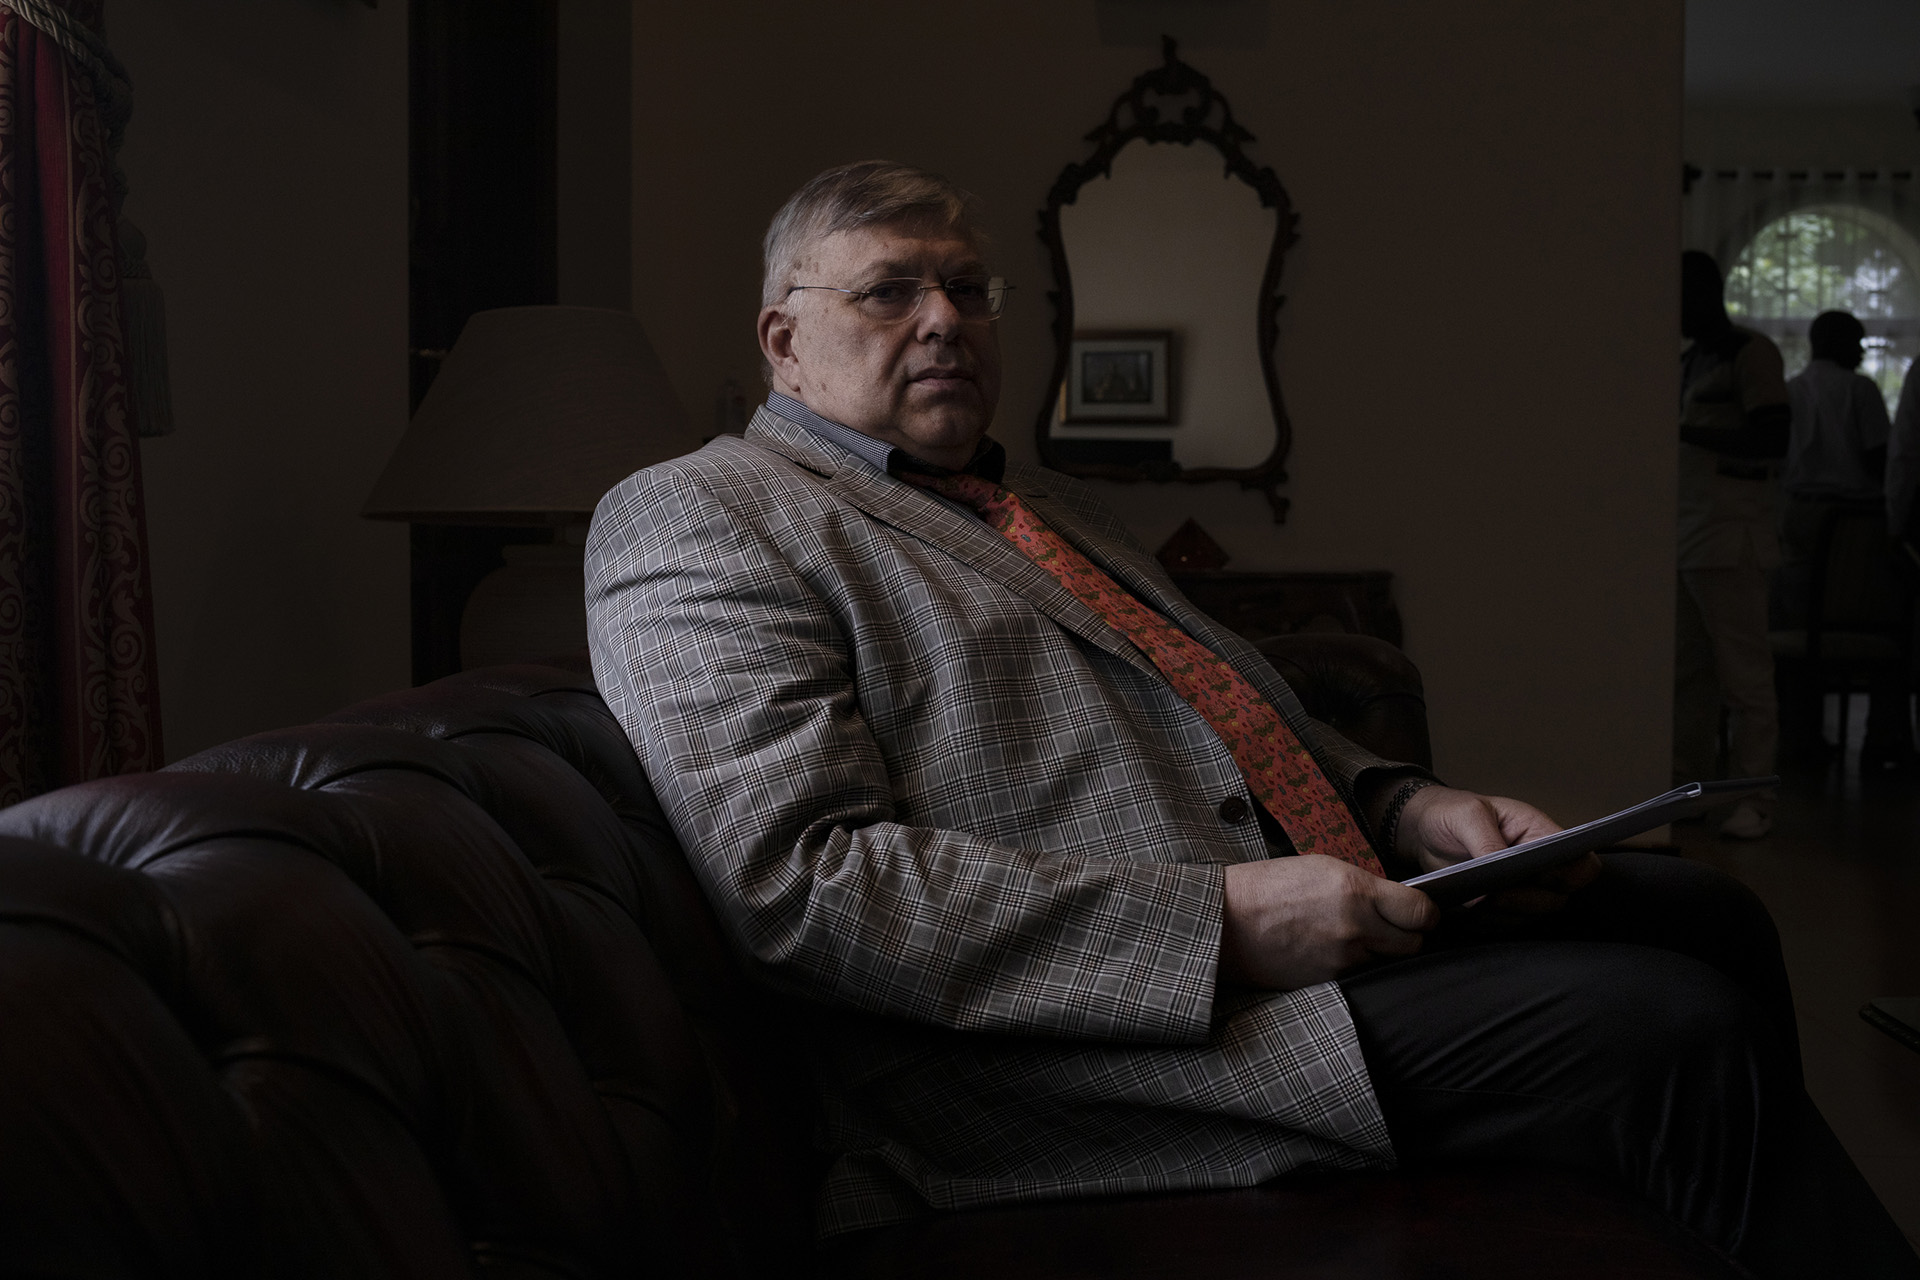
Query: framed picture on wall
x=1121, y=377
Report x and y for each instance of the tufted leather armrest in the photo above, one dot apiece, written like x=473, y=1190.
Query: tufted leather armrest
x=1363, y=687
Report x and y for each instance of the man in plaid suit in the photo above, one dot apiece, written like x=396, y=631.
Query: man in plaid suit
x=1051, y=946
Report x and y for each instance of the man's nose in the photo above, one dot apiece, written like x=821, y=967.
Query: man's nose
x=937, y=315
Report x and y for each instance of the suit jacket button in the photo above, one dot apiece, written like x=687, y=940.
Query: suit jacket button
x=1233, y=809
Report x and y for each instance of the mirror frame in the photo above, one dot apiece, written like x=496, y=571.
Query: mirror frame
x=1134, y=118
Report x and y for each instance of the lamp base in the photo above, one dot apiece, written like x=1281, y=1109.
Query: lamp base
x=532, y=609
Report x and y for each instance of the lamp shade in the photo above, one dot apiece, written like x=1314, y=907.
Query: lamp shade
x=537, y=411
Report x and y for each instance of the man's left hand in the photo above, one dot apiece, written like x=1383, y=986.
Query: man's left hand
x=1441, y=826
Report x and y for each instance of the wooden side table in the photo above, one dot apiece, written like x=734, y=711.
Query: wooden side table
x=1259, y=605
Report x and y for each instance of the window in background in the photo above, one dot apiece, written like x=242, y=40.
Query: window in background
x=1833, y=258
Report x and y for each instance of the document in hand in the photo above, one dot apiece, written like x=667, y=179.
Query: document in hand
x=1471, y=879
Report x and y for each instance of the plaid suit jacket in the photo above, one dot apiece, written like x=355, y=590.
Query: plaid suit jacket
x=934, y=796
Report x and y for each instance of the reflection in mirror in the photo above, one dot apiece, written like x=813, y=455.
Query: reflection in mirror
x=1171, y=242
x=1167, y=244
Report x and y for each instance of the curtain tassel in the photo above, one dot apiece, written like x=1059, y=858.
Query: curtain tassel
x=143, y=310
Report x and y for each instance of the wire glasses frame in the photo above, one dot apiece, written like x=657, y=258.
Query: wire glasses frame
x=976, y=298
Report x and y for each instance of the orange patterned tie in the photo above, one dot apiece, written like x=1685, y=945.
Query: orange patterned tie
x=1280, y=771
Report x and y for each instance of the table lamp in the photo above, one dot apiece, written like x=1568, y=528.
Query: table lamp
x=536, y=413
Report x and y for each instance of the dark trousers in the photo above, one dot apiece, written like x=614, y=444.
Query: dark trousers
x=1646, y=1032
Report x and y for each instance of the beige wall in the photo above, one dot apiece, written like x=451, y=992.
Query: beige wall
x=1478, y=341
x=268, y=165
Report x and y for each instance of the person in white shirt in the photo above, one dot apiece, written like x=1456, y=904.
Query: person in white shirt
x=1837, y=447
x=1838, y=438
x=1733, y=430
x=1837, y=443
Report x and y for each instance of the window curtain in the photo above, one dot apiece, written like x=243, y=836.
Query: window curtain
x=78, y=695
x=1725, y=208
x=1855, y=248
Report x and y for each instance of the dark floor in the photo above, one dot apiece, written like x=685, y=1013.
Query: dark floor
x=1841, y=873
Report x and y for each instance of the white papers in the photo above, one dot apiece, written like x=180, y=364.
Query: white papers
x=1516, y=866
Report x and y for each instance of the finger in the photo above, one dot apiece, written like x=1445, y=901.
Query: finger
x=1521, y=822
x=1377, y=936
x=1476, y=828
x=1403, y=909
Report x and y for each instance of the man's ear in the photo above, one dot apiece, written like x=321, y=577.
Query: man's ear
x=776, y=344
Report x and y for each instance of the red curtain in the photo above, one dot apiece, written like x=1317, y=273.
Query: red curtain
x=78, y=690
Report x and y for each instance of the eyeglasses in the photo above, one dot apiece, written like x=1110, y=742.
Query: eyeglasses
x=976, y=298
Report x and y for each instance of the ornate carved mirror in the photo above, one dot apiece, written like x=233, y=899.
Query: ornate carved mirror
x=1166, y=268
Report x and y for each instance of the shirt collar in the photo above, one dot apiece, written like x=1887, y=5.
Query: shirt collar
x=989, y=456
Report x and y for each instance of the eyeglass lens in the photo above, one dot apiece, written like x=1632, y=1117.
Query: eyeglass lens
x=974, y=297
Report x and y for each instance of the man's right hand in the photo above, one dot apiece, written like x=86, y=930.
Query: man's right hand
x=1292, y=922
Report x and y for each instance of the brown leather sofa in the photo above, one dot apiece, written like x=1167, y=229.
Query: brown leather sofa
x=427, y=989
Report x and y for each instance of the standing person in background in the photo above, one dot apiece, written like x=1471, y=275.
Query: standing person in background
x=1836, y=449
x=1734, y=419
x=1837, y=443
x=1836, y=453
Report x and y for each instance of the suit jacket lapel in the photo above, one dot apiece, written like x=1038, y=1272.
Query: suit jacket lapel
x=1134, y=570
x=966, y=538
x=1144, y=576
x=1131, y=569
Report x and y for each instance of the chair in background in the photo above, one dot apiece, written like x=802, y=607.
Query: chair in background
x=1858, y=632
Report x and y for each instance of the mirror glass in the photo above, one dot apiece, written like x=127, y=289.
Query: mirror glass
x=1167, y=256
x=1167, y=244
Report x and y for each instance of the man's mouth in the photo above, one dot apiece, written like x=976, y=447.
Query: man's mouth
x=943, y=377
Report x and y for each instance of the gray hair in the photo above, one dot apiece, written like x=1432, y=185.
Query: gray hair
x=867, y=193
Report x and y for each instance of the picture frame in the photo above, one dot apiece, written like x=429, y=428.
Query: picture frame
x=1121, y=377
